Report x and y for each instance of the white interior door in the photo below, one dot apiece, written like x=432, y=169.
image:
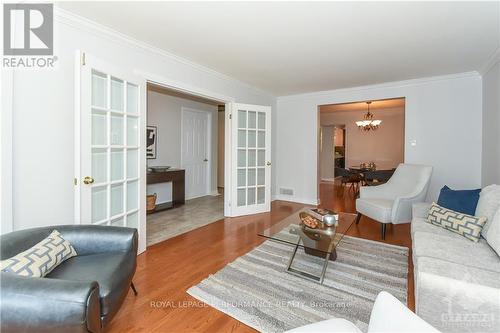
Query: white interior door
x=250, y=159
x=195, y=152
x=110, y=144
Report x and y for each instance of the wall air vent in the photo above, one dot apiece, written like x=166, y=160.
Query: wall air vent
x=286, y=191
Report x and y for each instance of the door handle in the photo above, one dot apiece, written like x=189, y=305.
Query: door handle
x=205, y=160
x=88, y=180
x=268, y=163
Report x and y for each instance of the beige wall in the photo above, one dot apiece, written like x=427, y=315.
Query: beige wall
x=384, y=146
x=326, y=153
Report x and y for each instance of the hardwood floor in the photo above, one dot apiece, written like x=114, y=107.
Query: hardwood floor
x=166, y=270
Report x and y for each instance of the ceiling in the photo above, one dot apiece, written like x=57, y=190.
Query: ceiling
x=362, y=106
x=295, y=47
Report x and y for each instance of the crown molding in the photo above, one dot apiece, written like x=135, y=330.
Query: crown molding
x=392, y=84
x=70, y=19
x=492, y=60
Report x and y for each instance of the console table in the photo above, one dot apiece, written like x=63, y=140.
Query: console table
x=176, y=177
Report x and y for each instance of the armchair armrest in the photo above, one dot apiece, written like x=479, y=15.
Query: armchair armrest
x=384, y=191
x=390, y=315
x=92, y=239
x=48, y=305
x=402, y=206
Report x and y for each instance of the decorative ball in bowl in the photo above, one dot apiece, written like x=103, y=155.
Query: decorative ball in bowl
x=330, y=220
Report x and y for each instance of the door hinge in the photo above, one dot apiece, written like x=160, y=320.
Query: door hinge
x=75, y=181
x=83, y=58
x=230, y=116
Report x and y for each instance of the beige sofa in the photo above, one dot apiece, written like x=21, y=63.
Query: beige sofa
x=457, y=281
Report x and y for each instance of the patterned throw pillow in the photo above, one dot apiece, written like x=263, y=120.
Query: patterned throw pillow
x=466, y=225
x=40, y=259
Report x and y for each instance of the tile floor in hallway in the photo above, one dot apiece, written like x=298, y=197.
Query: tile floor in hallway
x=194, y=214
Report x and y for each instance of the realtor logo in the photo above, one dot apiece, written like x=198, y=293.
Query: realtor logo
x=28, y=29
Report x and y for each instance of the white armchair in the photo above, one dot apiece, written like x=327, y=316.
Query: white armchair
x=392, y=202
x=388, y=315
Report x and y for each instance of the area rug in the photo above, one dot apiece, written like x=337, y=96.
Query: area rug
x=256, y=290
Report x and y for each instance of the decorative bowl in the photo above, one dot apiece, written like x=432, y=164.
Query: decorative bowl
x=159, y=168
x=309, y=220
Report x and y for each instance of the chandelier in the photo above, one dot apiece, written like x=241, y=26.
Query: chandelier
x=368, y=123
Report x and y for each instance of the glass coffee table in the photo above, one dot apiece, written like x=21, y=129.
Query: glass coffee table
x=321, y=241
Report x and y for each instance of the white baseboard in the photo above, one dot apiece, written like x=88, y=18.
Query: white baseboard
x=291, y=198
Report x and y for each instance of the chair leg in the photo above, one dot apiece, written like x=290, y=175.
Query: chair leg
x=358, y=217
x=384, y=226
x=133, y=288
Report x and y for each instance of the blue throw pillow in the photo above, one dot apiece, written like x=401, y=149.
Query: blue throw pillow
x=462, y=201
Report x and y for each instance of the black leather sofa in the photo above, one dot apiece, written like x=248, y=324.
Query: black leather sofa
x=80, y=295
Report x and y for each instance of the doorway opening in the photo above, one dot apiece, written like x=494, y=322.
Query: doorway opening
x=185, y=162
x=359, y=144
x=332, y=150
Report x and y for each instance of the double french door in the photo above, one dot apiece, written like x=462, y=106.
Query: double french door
x=110, y=159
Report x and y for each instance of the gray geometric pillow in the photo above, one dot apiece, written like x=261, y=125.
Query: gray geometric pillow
x=40, y=259
x=466, y=225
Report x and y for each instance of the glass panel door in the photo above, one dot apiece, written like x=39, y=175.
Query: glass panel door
x=115, y=195
x=111, y=151
x=251, y=159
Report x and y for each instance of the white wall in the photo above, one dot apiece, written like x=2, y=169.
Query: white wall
x=443, y=115
x=491, y=126
x=165, y=112
x=43, y=114
x=385, y=146
x=6, y=152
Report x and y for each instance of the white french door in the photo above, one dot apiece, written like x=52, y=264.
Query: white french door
x=110, y=161
x=250, y=159
x=195, y=152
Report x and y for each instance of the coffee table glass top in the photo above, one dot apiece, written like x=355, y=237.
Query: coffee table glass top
x=324, y=239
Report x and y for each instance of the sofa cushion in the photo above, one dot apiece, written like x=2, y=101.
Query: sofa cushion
x=489, y=201
x=454, y=249
x=457, y=298
x=421, y=224
x=112, y=271
x=493, y=235
x=462, y=201
x=466, y=225
x=377, y=209
x=40, y=259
